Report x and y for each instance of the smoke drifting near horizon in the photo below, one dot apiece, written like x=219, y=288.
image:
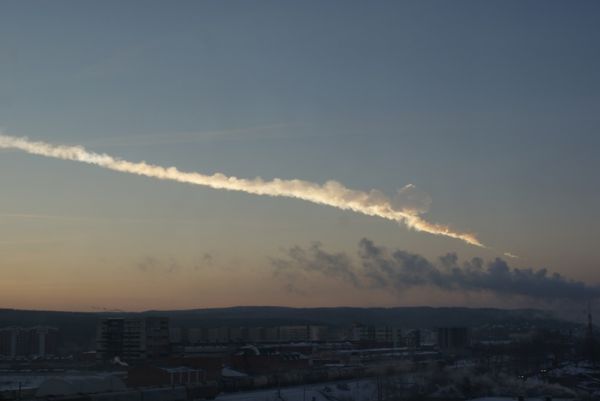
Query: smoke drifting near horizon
x=406, y=207
x=395, y=270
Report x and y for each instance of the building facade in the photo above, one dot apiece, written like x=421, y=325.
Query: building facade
x=132, y=339
x=453, y=338
x=28, y=342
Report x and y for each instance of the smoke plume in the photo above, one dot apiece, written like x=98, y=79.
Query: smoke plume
x=376, y=267
x=405, y=208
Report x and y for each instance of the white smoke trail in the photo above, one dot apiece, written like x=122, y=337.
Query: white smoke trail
x=332, y=193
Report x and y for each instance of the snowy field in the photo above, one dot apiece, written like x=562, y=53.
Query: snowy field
x=11, y=382
x=359, y=390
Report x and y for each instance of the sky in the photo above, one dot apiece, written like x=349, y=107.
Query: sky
x=492, y=109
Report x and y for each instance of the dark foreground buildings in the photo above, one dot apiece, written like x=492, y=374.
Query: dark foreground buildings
x=28, y=342
x=453, y=338
x=133, y=339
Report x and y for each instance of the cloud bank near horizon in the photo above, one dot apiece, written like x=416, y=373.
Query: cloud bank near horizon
x=405, y=208
x=376, y=267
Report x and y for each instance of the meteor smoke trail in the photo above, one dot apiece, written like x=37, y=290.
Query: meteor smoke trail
x=332, y=193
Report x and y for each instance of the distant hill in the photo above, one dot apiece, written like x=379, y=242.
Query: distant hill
x=79, y=328
x=410, y=317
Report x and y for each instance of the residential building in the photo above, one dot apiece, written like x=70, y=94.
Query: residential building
x=28, y=342
x=132, y=339
x=453, y=338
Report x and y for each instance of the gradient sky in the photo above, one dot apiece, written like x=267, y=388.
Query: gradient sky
x=492, y=108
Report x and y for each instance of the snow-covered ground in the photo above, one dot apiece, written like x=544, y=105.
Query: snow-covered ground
x=359, y=390
x=11, y=382
x=513, y=399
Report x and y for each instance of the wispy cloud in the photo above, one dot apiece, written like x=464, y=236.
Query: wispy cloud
x=151, y=264
x=207, y=259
